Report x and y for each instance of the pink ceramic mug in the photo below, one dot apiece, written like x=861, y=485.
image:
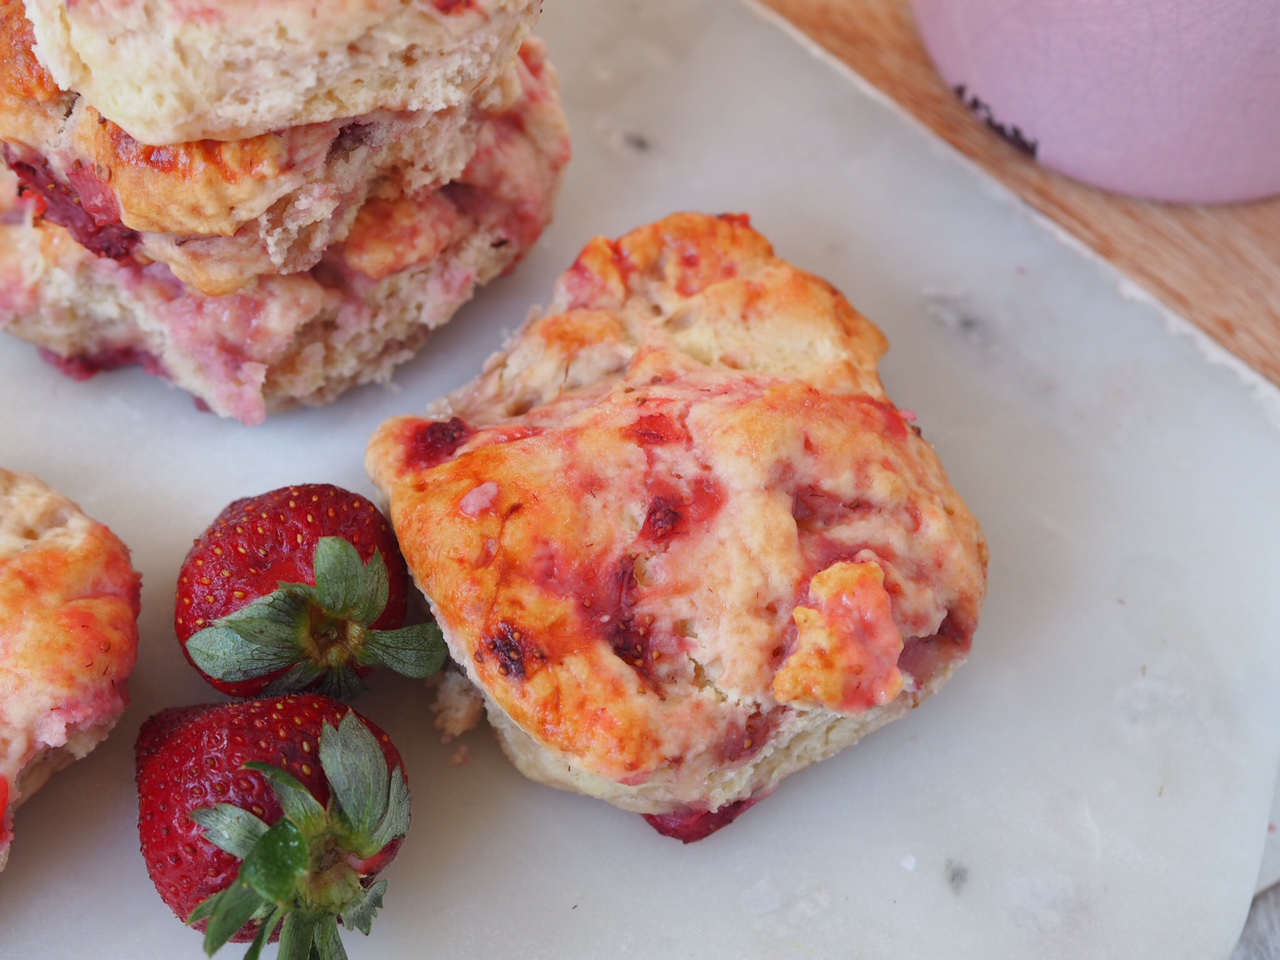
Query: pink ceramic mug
x=1166, y=99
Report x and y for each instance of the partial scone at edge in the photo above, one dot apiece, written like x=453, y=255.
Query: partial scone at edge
x=677, y=534
x=69, y=602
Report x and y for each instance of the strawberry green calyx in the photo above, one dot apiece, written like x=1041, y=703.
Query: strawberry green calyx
x=316, y=864
x=318, y=637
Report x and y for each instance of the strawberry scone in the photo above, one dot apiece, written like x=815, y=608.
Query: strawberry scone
x=69, y=600
x=677, y=534
x=337, y=281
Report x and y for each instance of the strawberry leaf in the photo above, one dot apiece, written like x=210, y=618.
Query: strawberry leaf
x=298, y=677
x=395, y=819
x=297, y=802
x=346, y=587
x=370, y=804
x=227, y=912
x=230, y=828
x=339, y=573
x=328, y=944
x=203, y=911
x=358, y=776
x=273, y=621
x=223, y=653
x=416, y=651
x=360, y=913
x=297, y=936
x=260, y=638
x=341, y=683
x=376, y=591
x=276, y=864
x=265, y=929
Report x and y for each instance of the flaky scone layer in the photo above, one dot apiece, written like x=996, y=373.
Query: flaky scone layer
x=171, y=71
x=69, y=600
x=677, y=534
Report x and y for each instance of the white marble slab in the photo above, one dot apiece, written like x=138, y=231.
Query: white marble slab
x=1269, y=871
x=1095, y=783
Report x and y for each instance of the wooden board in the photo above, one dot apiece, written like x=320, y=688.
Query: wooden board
x=1218, y=266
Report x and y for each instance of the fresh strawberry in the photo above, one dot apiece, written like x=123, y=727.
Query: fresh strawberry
x=300, y=588
x=265, y=818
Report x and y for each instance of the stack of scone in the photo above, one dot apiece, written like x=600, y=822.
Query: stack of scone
x=266, y=203
x=69, y=600
x=677, y=534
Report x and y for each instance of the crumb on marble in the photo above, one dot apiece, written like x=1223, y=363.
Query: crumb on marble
x=458, y=706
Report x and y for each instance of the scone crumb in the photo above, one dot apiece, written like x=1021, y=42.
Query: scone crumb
x=460, y=756
x=458, y=708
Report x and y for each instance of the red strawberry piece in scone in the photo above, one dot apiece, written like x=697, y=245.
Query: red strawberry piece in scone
x=303, y=587
x=270, y=818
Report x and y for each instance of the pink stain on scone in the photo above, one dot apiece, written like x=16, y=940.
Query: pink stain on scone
x=69, y=602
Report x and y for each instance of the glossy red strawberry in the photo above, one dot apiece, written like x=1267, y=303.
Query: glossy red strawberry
x=303, y=587
x=260, y=818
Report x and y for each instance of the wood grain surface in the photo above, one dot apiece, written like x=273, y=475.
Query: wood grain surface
x=1218, y=266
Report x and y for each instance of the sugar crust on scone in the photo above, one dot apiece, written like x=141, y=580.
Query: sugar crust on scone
x=69, y=601
x=171, y=71
x=409, y=256
x=677, y=534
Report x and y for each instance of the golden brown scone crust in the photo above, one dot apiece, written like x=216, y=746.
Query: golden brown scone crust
x=172, y=71
x=676, y=532
x=69, y=600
